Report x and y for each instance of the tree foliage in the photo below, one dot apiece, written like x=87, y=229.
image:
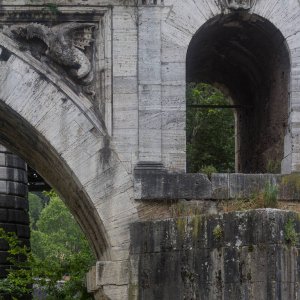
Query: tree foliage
x=20, y=277
x=58, y=248
x=210, y=131
x=36, y=205
x=60, y=243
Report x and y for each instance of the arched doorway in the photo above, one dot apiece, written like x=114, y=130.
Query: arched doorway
x=246, y=57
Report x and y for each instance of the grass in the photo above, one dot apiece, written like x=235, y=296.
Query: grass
x=265, y=199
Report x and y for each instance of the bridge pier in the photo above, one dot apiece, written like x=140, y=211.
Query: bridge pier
x=13, y=202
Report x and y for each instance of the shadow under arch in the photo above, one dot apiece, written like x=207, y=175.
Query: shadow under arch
x=247, y=58
x=24, y=140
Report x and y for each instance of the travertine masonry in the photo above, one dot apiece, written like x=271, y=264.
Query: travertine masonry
x=86, y=141
x=242, y=255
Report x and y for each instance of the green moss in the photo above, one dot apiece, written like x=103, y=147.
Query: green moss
x=133, y=291
x=273, y=166
x=196, y=224
x=181, y=226
x=218, y=232
x=250, y=248
x=290, y=234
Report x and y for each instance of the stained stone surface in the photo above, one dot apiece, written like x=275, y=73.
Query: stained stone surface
x=153, y=184
x=87, y=144
x=240, y=255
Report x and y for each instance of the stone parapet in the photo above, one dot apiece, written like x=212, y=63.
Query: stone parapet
x=158, y=184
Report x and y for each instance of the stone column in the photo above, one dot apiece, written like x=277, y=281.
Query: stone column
x=13, y=201
x=149, y=84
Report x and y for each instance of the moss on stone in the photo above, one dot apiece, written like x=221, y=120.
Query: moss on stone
x=291, y=183
x=218, y=232
x=290, y=234
x=181, y=226
x=196, y=224
x=133, y=291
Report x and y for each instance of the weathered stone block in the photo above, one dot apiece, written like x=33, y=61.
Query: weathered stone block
x=220, y=186
x=161, y=185
x=186, y=258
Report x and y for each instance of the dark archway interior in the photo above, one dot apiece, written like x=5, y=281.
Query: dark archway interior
x=247, y=58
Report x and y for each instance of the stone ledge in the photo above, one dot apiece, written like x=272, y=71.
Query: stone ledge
x=153, y=182
x=158, y=184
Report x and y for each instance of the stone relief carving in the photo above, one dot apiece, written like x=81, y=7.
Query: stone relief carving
x=65, y=45
x=239, y=4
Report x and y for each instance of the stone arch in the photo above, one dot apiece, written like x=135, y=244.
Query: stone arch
x=182, y=22
x=246, y=55
x=57, y=132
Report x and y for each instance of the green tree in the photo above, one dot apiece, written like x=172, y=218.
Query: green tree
x=58, y=248
x=210, y=131
x=19, y=279
x=36, y=205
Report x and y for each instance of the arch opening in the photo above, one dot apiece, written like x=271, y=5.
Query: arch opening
x=23, y=140
x=208, y=111
x=246, y=57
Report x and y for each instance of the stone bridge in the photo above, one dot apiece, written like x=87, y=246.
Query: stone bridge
x=105, y=126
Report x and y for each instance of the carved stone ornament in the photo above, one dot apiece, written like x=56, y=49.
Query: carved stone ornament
x=64, y=44
x=239, y=4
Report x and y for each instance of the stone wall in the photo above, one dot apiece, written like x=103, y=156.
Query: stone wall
x=13, y=202
x=93, y=141
x=240, y=255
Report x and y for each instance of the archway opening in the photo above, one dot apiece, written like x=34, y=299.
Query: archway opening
x=209, y=111
x=24, y=140
x=58, y=256
x=246, y=57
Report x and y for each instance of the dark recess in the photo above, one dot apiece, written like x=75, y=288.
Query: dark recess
x=246, y=57
x=35, y=182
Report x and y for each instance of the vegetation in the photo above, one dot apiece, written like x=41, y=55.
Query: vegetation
x=210, y=131
x=270, y=194
x=266, y=198
x=20, y=277
x=59, y=248
x=36, y=205
x=290, y=234
x=273, y=166
x=218, y=232
x=208, y=170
